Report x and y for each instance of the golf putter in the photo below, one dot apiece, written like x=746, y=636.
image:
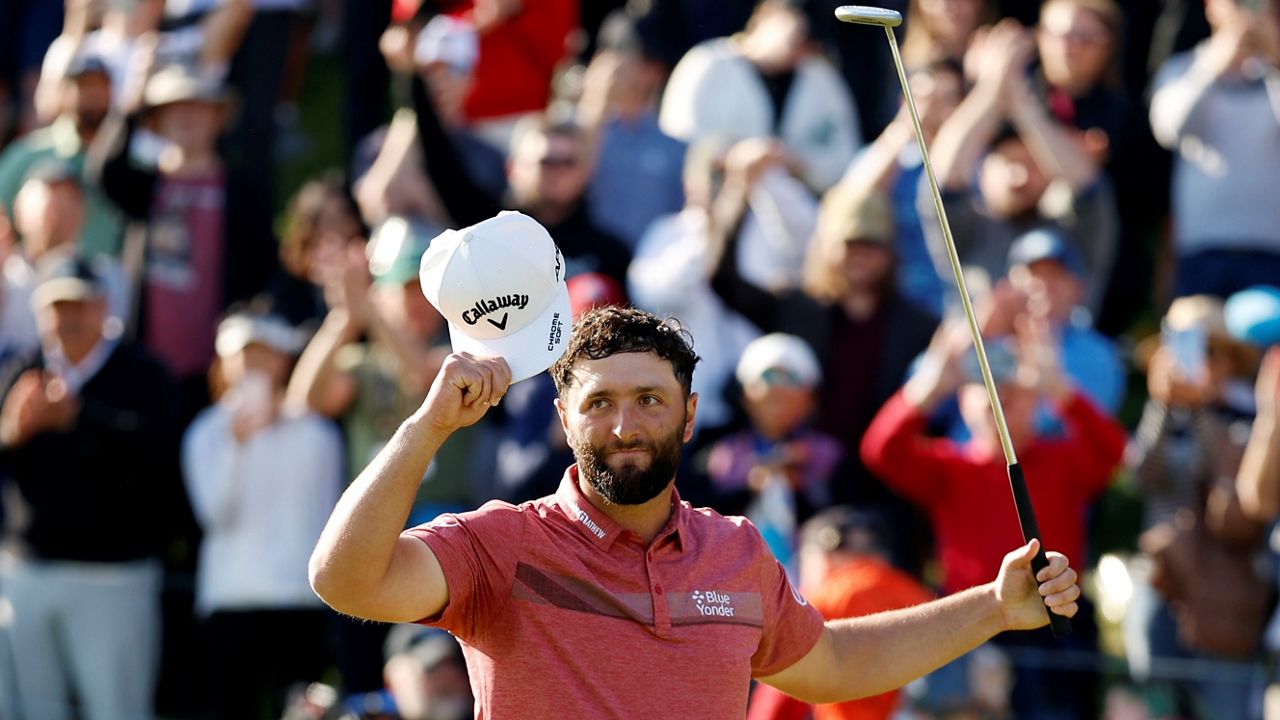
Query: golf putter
x=889, y=19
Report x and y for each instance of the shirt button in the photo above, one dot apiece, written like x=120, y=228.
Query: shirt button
x=657, y=589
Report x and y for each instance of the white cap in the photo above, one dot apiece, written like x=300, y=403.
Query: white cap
x=241, y=330
x=500, y=285
x=779, y=351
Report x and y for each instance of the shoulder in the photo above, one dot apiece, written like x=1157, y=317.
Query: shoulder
x=1174, y=67
x=726, y=534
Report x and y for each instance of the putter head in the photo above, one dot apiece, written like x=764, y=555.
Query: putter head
x=866, y=15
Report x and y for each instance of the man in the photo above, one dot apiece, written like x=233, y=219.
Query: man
x=1215, y=108
x=1005, y=166
x=543, y=596
x=84, y=99
x=88, y=437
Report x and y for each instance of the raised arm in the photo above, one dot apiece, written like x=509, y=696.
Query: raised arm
x=362, y=566
x=1183, y=82
x=864, y=656
x=1258, y=480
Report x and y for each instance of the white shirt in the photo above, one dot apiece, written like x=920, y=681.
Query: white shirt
x=262, y=505
x=17, y=322
x=714, y=89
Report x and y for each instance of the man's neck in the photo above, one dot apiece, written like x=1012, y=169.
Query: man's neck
x=645, y=520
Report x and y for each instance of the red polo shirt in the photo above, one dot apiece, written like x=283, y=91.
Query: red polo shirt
x=563, y=613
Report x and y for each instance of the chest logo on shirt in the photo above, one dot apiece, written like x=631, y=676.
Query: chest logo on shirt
x=710, y=602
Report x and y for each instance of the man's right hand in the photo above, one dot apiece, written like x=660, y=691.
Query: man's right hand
x=464, y=390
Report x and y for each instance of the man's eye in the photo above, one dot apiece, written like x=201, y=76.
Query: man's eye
x=598, y=403
x=648, y=400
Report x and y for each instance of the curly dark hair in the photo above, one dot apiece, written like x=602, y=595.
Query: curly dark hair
x=609, y=330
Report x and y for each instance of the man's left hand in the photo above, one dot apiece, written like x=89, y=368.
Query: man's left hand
x=1023, y=598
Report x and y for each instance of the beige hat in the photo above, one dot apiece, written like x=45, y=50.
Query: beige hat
x=1205, y=312
x=864, y=216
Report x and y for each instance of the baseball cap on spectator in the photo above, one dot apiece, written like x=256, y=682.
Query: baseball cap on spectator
x=86, y=63
x=1046, y=243
x=426, y=645
x=65, y=278
x=500, y=285
x=779, y=358
x=176, y=83
x=448, y=40
x=395, y=249
x=239, y=330
x=857, y=217
x=593, y=290
x=1252, y=315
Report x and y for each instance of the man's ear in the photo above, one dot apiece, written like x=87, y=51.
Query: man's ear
x=691, y=410
x=564, y=418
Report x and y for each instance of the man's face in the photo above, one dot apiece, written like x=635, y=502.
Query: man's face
x=778, y=403
x=1011, y=182
x=48, y=216
x=1075, y=46
x=89, y=99
x=548, y=170
x=866, y=264
x=625, y=417
x=408, y=310
x=75, y=326
x=1063, y=290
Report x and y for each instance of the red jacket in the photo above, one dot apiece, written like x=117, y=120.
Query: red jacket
x=518, y=59
x=966, y=494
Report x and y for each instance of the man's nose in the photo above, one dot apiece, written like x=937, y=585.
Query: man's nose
x=625, y=426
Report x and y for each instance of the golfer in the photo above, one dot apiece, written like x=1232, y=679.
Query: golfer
x=612, y=598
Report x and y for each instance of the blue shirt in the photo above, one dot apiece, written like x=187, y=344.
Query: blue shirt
x=638, y=178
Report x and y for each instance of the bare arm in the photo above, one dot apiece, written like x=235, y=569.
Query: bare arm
x=864, y=656
x=877, y=166
x=1175, y=102
x=1056, y=151
x=316, y=383
x=1258, y=480
x=362, y=566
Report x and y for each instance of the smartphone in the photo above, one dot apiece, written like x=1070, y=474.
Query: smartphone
x=1188, y=346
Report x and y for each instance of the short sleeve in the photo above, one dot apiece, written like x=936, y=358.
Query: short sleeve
x=791, y=625
x=478, y=552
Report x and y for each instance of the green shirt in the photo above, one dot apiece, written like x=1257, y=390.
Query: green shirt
x=60, y=140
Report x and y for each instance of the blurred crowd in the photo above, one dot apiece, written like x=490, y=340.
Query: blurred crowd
x=196, y=358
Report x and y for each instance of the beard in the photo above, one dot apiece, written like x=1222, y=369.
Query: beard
x=629, y=484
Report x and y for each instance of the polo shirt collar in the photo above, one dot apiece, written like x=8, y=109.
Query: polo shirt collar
x=599, y=527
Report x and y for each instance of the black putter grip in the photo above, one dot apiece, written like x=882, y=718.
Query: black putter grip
x=1060, y=625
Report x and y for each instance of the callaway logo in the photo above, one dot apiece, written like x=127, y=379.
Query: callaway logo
x=710, y=602
x=484, y=307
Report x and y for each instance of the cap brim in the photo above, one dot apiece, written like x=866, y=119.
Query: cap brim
x=530, y=350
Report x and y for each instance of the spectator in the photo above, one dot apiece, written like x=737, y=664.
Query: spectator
x=1213, y=106
x=997, y=158
x=892, y=165
x=671, y=275
x=444, y=51
x=207, y=239
x=426, y=675
x=1046, y=275
x=88, y=430
x=49, y=213
x=778, y=471
x=864, y=332
x=964, y=488
x=548, y=173
x=17, y=323
x=1191, y=435
x=767, y=82
x=521, y=46
x=1079, y=44
x=942, y=29
x=844, y=572
x=84, y=98
x=637, y=166
x=262, y=476
x=320, y=222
